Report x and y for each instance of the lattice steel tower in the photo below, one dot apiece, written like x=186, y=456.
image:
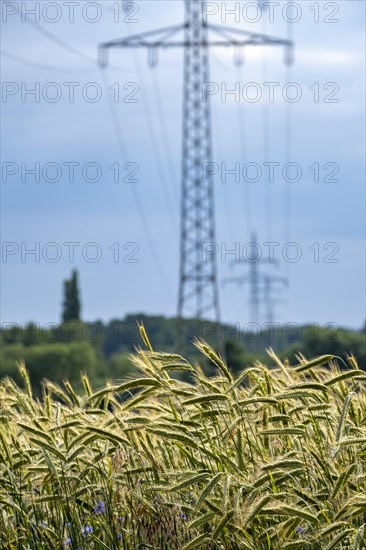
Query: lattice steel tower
x=198, y=289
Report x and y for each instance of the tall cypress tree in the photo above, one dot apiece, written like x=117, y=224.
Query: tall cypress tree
x=71, y=305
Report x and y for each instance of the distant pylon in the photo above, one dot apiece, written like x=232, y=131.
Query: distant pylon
x=269, y=281
x=253, y=261
x=255, y=279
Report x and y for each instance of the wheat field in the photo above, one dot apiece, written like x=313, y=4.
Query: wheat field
x=271, y=459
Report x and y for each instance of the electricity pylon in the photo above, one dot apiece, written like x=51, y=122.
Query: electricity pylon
x=268, y=287
x=253, y=278
x=198, y=289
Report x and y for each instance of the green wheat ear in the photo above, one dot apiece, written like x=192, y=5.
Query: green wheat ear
x=25, y=377
x=144, y=336
x=273, y=458
x=211, y=354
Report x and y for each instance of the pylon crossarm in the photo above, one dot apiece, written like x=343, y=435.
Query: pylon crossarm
x=255, y=261
x=253, y=39
x=138, y=38
x=141, y=43
x=254, y=36
x=270, y=280
x=237, y=280
x=147, y=39
x=160, y=39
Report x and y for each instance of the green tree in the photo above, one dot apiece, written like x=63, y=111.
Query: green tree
x=54, y=362
x=71, y=305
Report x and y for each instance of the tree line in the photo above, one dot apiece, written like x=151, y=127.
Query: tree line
x=102, y=349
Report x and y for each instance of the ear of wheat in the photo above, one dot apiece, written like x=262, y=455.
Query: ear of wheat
x=271, y=459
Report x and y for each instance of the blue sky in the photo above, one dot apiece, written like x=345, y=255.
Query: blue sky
x=328, y=136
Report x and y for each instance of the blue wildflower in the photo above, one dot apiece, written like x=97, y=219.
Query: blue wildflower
x=183, y=516
x=67, y=541
x=119, y=536
x=87, y=529
x=100, y=508
x=44, y=523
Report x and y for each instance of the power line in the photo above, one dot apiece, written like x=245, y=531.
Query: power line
x=63, y=44
x=241, y=120
x=267, y=186
x=288, y=154
x=162, y=179
x=266, y=150
x=119, y=136
x=34, y=64
x=219, y=63
x=224, y=186
x=56, y=39
x=114, y=117
x=218, y=146
x=161, y=115
x=171, y=208
x=124, y=153
x=243, y=148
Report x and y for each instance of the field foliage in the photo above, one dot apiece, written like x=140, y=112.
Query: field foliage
x=273, y=458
